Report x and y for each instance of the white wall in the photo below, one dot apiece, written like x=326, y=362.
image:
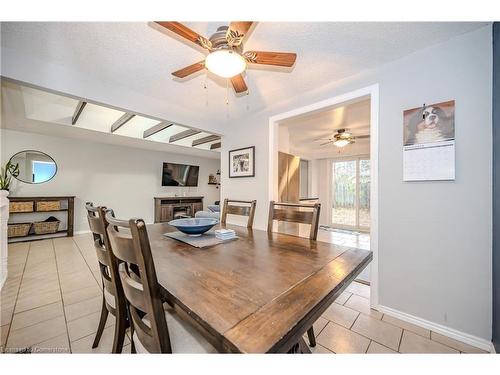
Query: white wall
x=123, y=178
x=434, y=237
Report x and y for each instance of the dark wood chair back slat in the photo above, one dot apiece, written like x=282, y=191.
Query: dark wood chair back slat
x=243, y=208
x=130, y=243
x=96, y=225
x=108, y=265
x=295, y=213
x=102, y=255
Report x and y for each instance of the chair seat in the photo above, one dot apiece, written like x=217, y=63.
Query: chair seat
x=183, y=337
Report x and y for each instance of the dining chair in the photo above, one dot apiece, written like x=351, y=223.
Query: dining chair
x=113, y=300
x=153, y=329
x=291, y=212
x=302, y=214
x=241, y=208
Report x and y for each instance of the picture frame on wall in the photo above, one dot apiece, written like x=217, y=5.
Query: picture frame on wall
x=242, y=162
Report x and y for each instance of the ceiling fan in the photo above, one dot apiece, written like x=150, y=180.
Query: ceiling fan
x=226, y=57
x=342, y=138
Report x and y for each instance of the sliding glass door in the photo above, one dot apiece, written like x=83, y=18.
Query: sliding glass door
x=350, y=207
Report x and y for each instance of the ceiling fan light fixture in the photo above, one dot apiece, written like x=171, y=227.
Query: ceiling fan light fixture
x=346, y=134
x=225, y=63
x=341, y=143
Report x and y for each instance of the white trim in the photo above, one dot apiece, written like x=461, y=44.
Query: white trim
x=88, y=231
x=466, y=338
x=373, y=92
x=4, y=252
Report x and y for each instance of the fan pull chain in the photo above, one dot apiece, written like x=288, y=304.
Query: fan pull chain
x=227, y=99
x=205, y=86
x=247, y=99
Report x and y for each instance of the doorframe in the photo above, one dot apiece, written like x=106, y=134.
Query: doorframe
x=373, y=93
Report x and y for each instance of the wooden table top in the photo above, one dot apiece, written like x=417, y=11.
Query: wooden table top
x=259, y=293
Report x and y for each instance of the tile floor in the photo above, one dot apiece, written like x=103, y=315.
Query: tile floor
x=52, y=298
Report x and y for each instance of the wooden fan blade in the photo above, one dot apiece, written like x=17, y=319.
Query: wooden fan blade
x=188, y=70
x=362, y=136
x=241, y=27
x=236, y=32
x=239, y=84
x=186, y=33
x=271, y=58
x=326, y=143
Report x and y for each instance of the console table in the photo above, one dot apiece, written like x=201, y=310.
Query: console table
x=39, y=208
x=170, y=208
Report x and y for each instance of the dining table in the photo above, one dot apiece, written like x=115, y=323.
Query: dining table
x=258, y=293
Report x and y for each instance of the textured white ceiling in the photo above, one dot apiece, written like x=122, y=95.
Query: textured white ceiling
x=141, y=57
x=307, y=133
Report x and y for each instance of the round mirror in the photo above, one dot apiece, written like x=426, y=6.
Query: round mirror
x=35, y=167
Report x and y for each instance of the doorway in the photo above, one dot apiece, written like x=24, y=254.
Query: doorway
x=362, y=218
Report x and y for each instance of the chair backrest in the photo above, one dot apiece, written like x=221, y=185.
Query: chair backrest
x=247, y=209
x=130, y=245
x=295, y=213
x=108, y=264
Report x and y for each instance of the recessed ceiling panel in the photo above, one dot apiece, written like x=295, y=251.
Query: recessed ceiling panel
x=97, y=117
x=41, y=105
x=46, y=106
x=137, y=126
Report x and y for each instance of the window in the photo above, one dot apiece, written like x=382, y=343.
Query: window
x=351, y=194
x=43, y=171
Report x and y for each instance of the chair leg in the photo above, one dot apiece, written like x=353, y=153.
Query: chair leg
x=131, y=325
x=102, y=323
x=312, y=338
x=120, y=327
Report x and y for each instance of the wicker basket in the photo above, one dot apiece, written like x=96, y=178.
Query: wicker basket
x=18, y=229
x=21, y=206
x=48, y=205
x=46, y=227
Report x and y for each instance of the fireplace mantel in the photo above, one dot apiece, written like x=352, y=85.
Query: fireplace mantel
x=170, y=208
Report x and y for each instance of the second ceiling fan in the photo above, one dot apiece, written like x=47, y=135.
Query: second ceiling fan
x=226, y=57
x=342, y=137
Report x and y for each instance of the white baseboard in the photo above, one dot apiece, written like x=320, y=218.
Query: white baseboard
x=88, y=231
x=466, y=338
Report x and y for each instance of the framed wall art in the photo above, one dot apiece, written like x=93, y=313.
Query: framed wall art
x=242, y=162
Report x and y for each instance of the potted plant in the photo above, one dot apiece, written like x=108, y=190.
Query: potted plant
x=6, y=173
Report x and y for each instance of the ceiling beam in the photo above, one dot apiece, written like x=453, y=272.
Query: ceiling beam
x=78, y=111
x=215, y=146
x=156, y=129
x=121, y=121
x=184, y=134
x=201, y=141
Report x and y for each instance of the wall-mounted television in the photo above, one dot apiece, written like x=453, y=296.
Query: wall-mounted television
x=179, y=175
